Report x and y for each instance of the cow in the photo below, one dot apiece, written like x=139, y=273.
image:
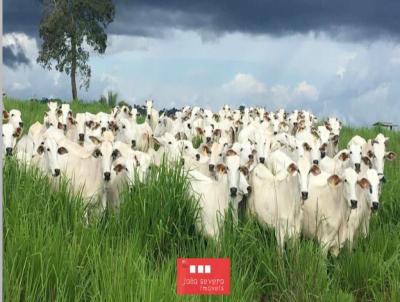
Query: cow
x=327, y=209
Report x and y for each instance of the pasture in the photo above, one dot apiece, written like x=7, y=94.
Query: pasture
x=52, y=255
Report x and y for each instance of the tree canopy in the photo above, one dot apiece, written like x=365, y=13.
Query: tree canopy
x=68, y=29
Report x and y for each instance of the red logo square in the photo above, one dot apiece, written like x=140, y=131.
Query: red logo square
x=202, y=276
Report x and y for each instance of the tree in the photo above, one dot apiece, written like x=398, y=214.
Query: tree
x=68, y=28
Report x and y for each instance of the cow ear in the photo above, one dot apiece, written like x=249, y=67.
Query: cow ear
x=94, y=140
x=5, y=115
x=62, y=150
x=17, y=132
x=199, y=131
x=115, y=154
x=96, y=153
x=292, y=169
x=220, y=168
x=244, y=170
x=315, y=170
x=306, y=146
x=40, y=149
x=344, y=156
x=230, y=152
x=178, y=136
x=374, y=141
x=390, y=155
x=334, y=180
x=367, y=161
x=364, y=183
x=205, y=149
x=118, y=168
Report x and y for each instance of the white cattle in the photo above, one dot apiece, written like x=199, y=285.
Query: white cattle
x=378, y=154
x=368, y=199
x=327, y=209
x=151, y=115
x=14, y=118
x=9, y=138
x=275, y=201
x=355, y=147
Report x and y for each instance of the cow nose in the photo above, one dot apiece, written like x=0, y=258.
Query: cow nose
x=251, y=156
x=211, y=168
x=81, y=137
x=358, y=168
x=315, y=162
x=148, y=116
x=197, y=156
x=103, y=129
x=9, y=151
x=304, y=195
x=382, y=179
x=353, y=204
x=182, y=161
x=21, y=124
x=107, y=176
x=262, y=160
x=375, y=205
x=275, y=132
x=56, y=172
x=65, y=127
x=249, y=190
x=133, y=143
x=208, y=139
x=233, y=192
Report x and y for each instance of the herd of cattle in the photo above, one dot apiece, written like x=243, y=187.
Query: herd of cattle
x=286, y=166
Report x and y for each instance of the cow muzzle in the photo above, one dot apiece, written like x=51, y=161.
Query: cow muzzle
x=9, y=151
x=81, y=137
x=382, y=178
x=211, y=168
x=304, y=195
x=197, y=156
x=315, y=162
x=103, y=129
x=233, y=192
x=353, y=204
x=56, y=172
x=262, y=160
x=107, y=176
x=133, y=144
x=375, y=206
x=148, y=116
x=358, y=167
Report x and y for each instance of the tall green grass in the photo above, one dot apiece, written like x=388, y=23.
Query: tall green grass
x=52, y=255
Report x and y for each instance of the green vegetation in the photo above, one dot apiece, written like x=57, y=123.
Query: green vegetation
x=68, y=29
x=51, y=255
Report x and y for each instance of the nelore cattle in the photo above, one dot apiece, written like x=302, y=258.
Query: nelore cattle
x=285, y=166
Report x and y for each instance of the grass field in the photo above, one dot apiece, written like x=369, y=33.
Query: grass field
x=51, y=255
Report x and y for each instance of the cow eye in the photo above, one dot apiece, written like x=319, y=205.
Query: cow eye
x=169, y=143
x=360, y=153
x=220, y=154
x=123, y=127
x=345, y=180
x=186, y=147
x=241, y=149
x=370, y=189
x=351, y=152
x=48, y=149
x=12, y=114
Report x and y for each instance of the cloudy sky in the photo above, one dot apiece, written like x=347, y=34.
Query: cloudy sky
x=337, y=58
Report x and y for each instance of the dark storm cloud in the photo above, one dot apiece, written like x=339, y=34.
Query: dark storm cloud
x=21, y=16
x=344, y=19
x=355, y=19
x=14, y=56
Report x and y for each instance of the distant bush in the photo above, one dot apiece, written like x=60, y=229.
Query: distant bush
x=110, y=99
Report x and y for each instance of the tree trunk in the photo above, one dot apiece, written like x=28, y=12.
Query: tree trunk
x=73, y=70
